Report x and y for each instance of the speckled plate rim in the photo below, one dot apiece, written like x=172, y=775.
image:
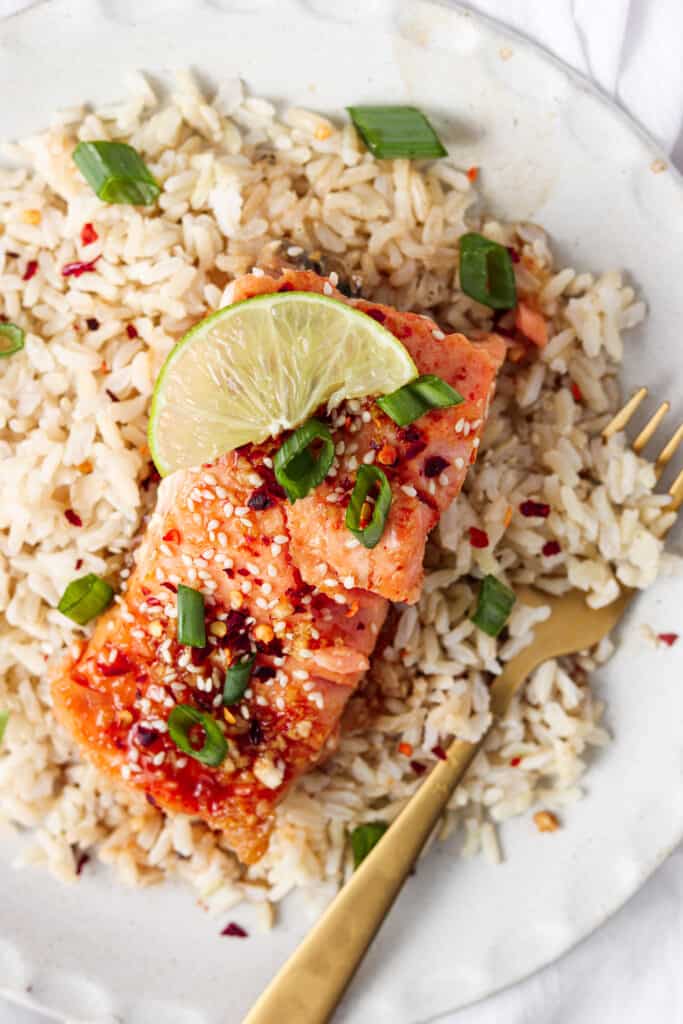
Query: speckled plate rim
x=644, y=861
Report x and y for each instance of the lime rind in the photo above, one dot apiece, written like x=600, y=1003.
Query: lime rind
x=264, y=365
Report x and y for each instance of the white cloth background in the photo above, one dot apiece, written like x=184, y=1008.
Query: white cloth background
x=629, y=972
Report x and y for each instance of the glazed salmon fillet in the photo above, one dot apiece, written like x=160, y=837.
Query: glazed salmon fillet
x=227, y=530
x=426, y=462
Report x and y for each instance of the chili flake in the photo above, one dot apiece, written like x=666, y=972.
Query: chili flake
x=577, y=393
x=478, y=538
x=435, y=465
x=88, y=234
x=668, y=638
x=418, y=768
x=131, y=330
x=406, y=749
x=515, y=761
x=439, y=752
x=550, y=548
x=73, y=517
x=472, y=173
x=171, y=537
x=31, y=268
x=235, y=930
x=535, y=509
x=79, y=267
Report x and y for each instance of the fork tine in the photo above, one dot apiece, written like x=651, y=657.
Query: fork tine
x=650, y=427
x=676, y=492
x=668, y=451
x=625, y=413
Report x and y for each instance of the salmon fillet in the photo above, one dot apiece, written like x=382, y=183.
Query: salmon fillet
x=227, y=529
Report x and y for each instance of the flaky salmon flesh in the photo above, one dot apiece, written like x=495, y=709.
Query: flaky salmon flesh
x=288, y=582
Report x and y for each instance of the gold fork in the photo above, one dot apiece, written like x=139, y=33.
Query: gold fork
x=309, y=986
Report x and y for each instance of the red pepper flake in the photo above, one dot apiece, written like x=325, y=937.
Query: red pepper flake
x=115, y=666
x=435, y=465
x=439, y=752
x=550, y=548
x=286, y=287
x=255, y=732
x=88, y=234
x=387, y=455
x=478, y=538
x=259, y=500
x=515, y=761
x=472, y=173
x=79, y=564
x=514, y=255
x=79, y=267
x=668, y=638
x=172, y=537
x=73, y=517
x=535, y=509
x=418, y=768
x=131, y=330
x=235, y=930
x=577, y=392
x=377, y=314
x=170, y=586
x=31, y=268
x=82, y=859
x=92, y=323
x=406, y=749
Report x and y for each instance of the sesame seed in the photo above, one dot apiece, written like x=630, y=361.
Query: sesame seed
x=328, y=289
x=267, y=461
x=228, y=509
x=165, y=550
x=369, y=457
x=439, y=335
x=221, y=493
x=261, y=603
x=334, y=278
x=476, y=442
x=245, y=712
x=340, y=599
x=348, y=582
x=409, y=490
x=192, y=574
x=280, y=703
x=459, y=463
x=280, y=538
x=246, y=587
x=431, y=486
x=253, y=569
x=300, y=673
x=210, y=586
x=159, y=574
x=241, y=511
x=204, y=575
x=329, y=582
x=208, y=554
x=365, y=416
x=255, y=480
x=459, y=425
x=261, y=701
x=267, y=588
x=196, y=518
x=476, y=424
x=275, y=550
x=443, y=480
x=258, y=272
x=314, y=633
x=279, y=627
x=340, y=448
x=352, y=463
x=272, y=571
x=222, y=540
x=352, y=543
x=155, y=628
x=321, y=567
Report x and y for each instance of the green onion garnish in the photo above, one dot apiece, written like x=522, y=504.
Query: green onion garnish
x=365, y=520
x=181, y=722
x=486, y=272
x=11, y=339
x=116, y=173
x=364, y=838
x=237, y=679
x=391, y=132
x=494, y=606
x=298, y=468
x=407, y=404
x=4, y=719
x=85, y=598
x=191, y=625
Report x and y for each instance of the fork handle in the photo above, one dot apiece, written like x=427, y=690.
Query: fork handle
x=309, y=986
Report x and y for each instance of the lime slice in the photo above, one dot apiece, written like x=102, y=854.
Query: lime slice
x=262, y=366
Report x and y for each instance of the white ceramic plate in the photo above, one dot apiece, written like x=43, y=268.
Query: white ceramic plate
x=552, y=149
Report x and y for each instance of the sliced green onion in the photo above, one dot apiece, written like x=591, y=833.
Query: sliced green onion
x=299, y=469
x=116, y=173
x=4, y=719
x=407, y=404
x=182, y=720
x=391, y=132
x=11, y=339
x=364, y=838
x=237, y=679
x=191, y=624
x=367, y=524
x=85, y=598
x=494, y=606
x=486, y=272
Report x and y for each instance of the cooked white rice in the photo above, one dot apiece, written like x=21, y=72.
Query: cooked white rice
x=237, y=177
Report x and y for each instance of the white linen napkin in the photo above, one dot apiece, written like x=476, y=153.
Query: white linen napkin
x=629, y=971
